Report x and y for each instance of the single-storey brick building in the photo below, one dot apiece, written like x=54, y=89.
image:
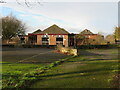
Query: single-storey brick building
x=53, y=35
x=86, y=37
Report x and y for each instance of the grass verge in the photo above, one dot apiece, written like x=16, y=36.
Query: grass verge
x=22, y=75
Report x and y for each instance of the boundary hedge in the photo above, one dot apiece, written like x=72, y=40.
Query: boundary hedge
x=97, y=46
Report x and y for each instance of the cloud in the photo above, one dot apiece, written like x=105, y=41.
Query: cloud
x=64, y=0
x=72, y=16
x=23, y=15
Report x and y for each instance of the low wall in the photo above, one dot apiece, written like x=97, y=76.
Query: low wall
x=68, y=51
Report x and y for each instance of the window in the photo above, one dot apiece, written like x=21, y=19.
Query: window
x=59, y=40
x=33, y=39
x=22, y=39
x=45, y=40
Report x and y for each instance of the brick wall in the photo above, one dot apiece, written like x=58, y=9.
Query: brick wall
x=39, y=40
x=92, y=36
x=52, y=40
x=66, y=40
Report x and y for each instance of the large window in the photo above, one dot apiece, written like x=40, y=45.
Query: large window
x=59, y=39
x=45, y=40
x=33, y=39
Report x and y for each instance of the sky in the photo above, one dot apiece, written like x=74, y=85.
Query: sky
x=97, y=17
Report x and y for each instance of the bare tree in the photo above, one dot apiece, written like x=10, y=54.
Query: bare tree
x=2, y=1
x=11, y=27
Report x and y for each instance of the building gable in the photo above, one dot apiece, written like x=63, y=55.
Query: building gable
x=54, y=29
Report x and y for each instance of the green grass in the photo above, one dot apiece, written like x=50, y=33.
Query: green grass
x=84, y=71
x=23, y=68
x=84, y=75
x=81, y=72
x=17, y=75
x=13, y=75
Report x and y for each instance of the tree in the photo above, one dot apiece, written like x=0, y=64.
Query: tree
x=117, y=33
x=12, y=27
x=110, y=39
x=81, y=37
x=99, y=40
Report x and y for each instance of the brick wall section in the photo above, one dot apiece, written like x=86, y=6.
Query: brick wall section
x=93, y=36
x=66, y=40
x=52, y=40
x=39, y=40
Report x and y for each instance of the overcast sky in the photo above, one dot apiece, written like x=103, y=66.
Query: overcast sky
x=72, y=16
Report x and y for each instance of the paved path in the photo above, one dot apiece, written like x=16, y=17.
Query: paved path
x=30, y=55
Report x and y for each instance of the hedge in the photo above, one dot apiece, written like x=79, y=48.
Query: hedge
x=96, y=46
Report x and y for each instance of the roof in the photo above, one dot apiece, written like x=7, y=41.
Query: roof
x=37, y=31
x=54, y=29
x=86, y=31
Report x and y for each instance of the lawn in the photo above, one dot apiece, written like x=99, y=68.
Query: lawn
x=91, y=69
x=14, y=74
x=17, y=74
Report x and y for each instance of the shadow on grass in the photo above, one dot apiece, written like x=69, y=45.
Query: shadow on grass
x=95, y=56
x=88, y=53
x=91, y=76
x=77, y=72
x=77, y=76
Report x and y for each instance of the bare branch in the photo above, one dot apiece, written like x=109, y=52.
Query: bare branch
x=1, y=1
x=38, y=2
x=18, y=2
x=27, y=3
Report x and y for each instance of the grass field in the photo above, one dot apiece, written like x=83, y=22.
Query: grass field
x=14, y=74
x=92, y=69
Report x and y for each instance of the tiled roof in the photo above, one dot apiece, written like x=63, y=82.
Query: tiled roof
x=37, y=31
x=86, y=32
x=54, y=29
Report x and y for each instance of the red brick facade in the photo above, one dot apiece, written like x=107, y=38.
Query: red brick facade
x=51, y=39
